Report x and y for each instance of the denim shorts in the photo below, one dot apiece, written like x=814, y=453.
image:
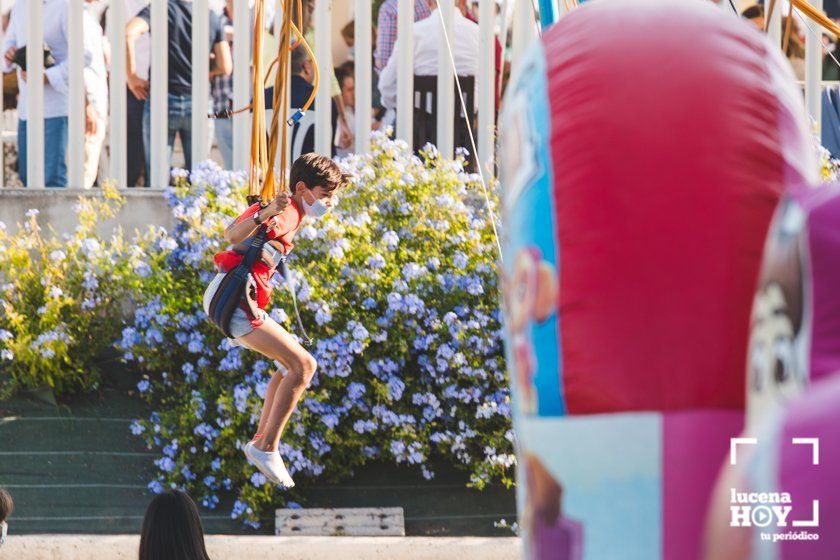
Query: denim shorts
x=240, y=325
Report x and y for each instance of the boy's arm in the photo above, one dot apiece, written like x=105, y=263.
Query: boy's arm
x=245, y=225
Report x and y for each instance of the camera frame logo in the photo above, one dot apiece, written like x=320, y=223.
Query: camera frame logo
x=772, y=510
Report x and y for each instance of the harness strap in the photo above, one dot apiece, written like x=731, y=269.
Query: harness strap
x=234, y=287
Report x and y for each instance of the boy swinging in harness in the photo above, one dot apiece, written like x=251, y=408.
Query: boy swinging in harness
x=236, y=298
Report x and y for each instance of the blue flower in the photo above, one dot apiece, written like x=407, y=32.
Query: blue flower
x=143, y=385
x=258, y=479
x=395, y=388
x=460, y=260
x=376, y=261
x=165, y=464
x=187, y=473
x=155, y=487
x=391, y=239
x=355, y=390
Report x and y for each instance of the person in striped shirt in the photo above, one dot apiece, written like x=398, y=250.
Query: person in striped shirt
x=386, y=29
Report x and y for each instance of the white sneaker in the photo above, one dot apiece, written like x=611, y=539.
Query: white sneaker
x=248, y=448
x=270, y=464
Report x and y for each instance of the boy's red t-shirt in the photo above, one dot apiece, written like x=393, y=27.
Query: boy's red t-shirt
x=286, y=224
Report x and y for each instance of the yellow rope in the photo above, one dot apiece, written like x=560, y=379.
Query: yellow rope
x=262, y=180
x=817, y=16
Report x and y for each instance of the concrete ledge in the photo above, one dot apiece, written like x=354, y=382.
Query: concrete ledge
x=143, y=207
x=222, y=547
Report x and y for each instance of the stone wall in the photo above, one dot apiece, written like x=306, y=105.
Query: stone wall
x=143, y=207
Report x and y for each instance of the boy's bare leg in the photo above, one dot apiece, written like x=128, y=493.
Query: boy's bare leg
x=282, y=395
x=268, y=403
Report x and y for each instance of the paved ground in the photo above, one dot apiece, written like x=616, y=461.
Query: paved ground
x=123, y=547
x=77, y=469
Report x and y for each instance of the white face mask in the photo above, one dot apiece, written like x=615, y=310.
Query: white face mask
x=316, y=209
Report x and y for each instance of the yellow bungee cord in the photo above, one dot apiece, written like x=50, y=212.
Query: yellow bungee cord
x=263, y=182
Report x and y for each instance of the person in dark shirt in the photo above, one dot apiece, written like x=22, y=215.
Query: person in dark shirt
x=300, y=88
x=179, y=71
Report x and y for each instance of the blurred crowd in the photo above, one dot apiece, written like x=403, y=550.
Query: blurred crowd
x=139, y=32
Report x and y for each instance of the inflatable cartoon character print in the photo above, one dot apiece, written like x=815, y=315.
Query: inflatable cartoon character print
x=532, y=299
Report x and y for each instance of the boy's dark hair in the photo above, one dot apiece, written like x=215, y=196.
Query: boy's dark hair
x=7, y=505
x=317, y=170
x=172, y=529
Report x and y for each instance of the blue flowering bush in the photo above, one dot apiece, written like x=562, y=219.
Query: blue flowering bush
x=60, y=298
x=397, y=288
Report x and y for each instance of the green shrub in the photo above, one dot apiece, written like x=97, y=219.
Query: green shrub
x=60, y=299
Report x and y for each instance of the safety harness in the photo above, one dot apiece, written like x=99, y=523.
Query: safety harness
x=238, y=287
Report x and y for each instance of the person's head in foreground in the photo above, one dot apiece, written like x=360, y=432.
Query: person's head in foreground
x=172, y=529
x=314, y=181
x=7, y=505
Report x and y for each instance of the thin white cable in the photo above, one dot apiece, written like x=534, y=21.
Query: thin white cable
x=467, y=117
x=817, y=35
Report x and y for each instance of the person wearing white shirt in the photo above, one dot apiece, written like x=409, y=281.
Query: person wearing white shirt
x=427, y=38
x=96, y=95
x=56, y=85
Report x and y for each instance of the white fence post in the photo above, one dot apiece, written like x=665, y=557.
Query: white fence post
x=117, y=139
x=524, y=30
x=159, y=86
x=486, y=85
x=200, y=79
x=76, y=98
x=446, y=83
x=405, y=71
x=323, y=54
x=813, y=69
x=363, y=46
x=241, y=84
x=774, y=23
x=35, y=95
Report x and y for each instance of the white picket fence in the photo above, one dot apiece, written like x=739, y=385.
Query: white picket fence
x=241, y=84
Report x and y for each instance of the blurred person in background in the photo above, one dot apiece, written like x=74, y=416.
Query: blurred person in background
x=427, y=37
x=179, y=68
x=344, y=131
x=172, y=529
x=96, y=94
x=300, y=88
x=755, y=14
x=221, y=93
x=136, y=103
x=347, y=81
x=386, y=29
x=348, y=32
x=56, y=85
